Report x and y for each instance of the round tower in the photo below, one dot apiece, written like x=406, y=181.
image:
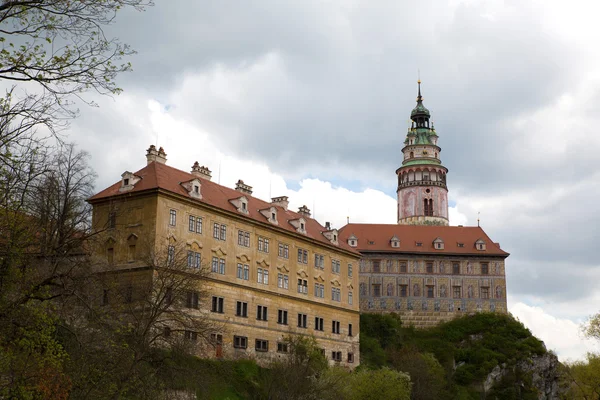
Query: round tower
x=422, y=190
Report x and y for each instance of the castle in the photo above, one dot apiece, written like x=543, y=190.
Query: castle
x=275, y=272
x=422, y=268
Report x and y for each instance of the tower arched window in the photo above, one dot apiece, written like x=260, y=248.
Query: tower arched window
x=412, y=155
x=428, y=207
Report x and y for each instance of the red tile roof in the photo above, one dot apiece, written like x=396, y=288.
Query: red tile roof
x=161, y=176
x=377, y=238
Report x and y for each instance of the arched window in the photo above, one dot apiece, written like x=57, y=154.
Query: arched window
x=412, y=155
x=428, y=207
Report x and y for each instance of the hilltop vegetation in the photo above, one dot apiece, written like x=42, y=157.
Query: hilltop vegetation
x=454, y=359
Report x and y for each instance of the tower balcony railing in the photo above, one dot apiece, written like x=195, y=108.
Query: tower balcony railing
x=426, y=182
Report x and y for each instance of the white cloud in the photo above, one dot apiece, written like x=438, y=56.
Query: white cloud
x=560, y=335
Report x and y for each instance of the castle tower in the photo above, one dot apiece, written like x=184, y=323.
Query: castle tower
x=422, y=190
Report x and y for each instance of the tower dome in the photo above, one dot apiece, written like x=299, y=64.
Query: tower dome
x=422, y=191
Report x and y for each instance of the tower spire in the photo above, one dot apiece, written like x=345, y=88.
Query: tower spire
x=419, y=97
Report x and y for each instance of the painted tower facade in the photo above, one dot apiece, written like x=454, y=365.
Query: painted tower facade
x=422, y=190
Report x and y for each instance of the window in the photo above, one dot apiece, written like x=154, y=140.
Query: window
x=303, y=256
x=283, y=250
x=243, y=271
x=129, y=294
x=318, y=324
x=263, y=244
x=191, y=335
x=428, y=207
x=403, y=267
x=319, y=261
x=419, y=244
x=335, y=266
x=302, y=318
x=319, y=290
x=112, y=219
x=241, y=309
x=172, y=217
x=430, y=291
x=282, y=347
x=220, y=231
x=195, y=224
x=110, y=255
x=336, y=356
x=194, y=259
x=403, y=290
x=335, y=327
x=439, y=246
x=455, y=269
x=376, y=290
x=349, y=329
x=244, y=238
x=429, y=267
x=350, y=298
x=456, y=292
x=336, y=294
x=282, y=317
x=170, y=254
x=460, y=244
x=217, y=305
x=105, y=297
x=485, y=292
x=218, y=265
x=376, y=266
x=350, y=358
x=240, y=342
x=261, y=313
x=262, y=345
x=282, y=281
x=350, y=270
x=302, y=286
x=169, y=296
x=192, y=300
x=263, y=276
x=484, y=269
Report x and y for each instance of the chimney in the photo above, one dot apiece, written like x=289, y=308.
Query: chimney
x=240, y=186
x=304, y=211
x=281, y=201
x=158, y=156
x=327, y=226
x=201, y=171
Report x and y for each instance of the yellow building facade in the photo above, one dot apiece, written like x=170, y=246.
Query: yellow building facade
x=272, y=271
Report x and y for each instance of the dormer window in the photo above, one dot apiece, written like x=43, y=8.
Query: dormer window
x=241, y=204
x=270, y=214
x=395, y=242
x=193, y=188
x=438, y=244
x=460, y=244
x=352, y=241
x=480, y=245
x=419, y=244
x=299, y=224
x=331, y=234
x=128, y=180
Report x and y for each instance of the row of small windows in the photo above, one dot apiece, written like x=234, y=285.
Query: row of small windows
x=376, y=267
x=262, y=345
x=404, y=291
x=220, y=233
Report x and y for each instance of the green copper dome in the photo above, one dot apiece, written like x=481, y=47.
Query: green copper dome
x=420, y=109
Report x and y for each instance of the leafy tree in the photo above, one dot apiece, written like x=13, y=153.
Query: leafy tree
x=582, y=378
x=384, y=383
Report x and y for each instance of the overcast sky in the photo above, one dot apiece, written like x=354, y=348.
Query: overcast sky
x=311, y=99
